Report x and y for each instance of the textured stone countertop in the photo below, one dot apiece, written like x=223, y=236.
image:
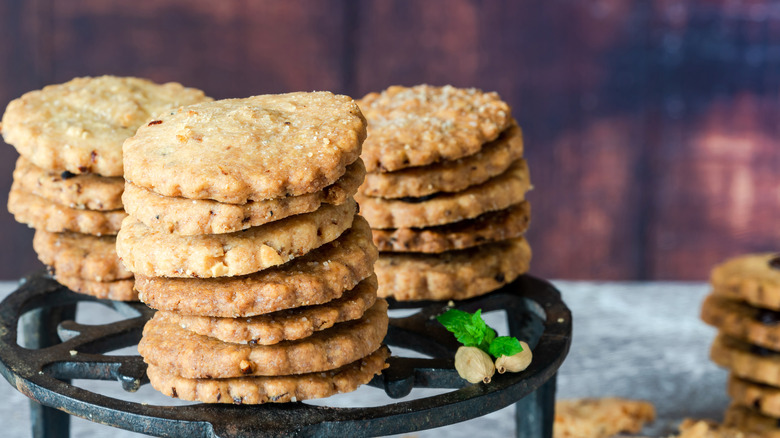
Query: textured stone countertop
x=636, y=340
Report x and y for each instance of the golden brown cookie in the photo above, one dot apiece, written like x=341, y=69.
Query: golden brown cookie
x=765, y=399
x=79, y=126
x=119, y=290
x=455, y=275
x=80, y=255
x=239, y=150
x=195, y=356
x=188, y=217
x=600, y=417
x=86, y=191
x=448, y=176
x=750, y=421
x=690, y=428
x=754, y=278
x=489, y=227
x=746, y=361
x=155, y=253
x=42, y=214
x=424, y=124
x=285, y=325
x=315, y=278
x=734, y=318
x=276, y=389
x=497, y=193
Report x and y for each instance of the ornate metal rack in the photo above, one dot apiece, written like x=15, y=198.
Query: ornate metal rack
x=59, y=349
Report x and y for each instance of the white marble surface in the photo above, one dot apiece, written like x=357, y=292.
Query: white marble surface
x=636, y=340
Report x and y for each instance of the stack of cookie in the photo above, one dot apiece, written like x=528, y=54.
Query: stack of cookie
x=243, y=234
x=445, y=192
x=68, y=181
x=745, y=307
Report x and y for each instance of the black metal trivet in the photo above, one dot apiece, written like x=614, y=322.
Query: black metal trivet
x=68, y=350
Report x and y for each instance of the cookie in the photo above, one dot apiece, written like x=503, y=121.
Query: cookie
x=285, y=325
x=240, y=150
x=195, y=356
x=119, y=290
x=453, y=275
x=42, y=214
x=278, y=389
x=86, y=191
x=690, y=428
x=315, y=278
x=448, y=176
x=188, y=217
x=80, y=255
x=79, y=126
x=422, y=125
x=754, y=278
x=497, y=193
x=600, y=417
x=746, y=361
x=750, y=421
x=155, y=253
x=487, y=228
x=734, y=318
x=765, y=399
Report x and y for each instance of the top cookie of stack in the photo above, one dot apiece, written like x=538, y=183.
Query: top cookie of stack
x=445, y=192
x=67, y=182
x=243, y=234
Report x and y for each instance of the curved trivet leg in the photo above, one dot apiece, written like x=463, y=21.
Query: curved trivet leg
x=535, y=413
x=39, y=329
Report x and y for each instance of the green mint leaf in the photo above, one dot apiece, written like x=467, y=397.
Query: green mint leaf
x=454, y=319
x=470, y=330
x=505, y=346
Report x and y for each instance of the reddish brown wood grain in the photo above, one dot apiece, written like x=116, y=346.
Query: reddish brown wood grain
x=230, y=48
x=651, y=127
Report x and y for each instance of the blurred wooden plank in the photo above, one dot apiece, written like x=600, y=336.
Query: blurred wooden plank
x=21, y=60
x=230, y=48
x=720, y=192
x=557, y=64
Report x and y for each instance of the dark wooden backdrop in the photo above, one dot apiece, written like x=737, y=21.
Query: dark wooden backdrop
x=651, y=126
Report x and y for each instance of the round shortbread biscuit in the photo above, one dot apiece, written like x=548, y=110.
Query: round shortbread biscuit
x=754, y=278
x=189, y=217
x=497, y=193
x=80, y=255
x=734, y=318
x=452, y=275
x=448, y=176
x=285, y=325
x=119, y=290
x=79, y=126
x=424, y=124
x=765, y=399
x=748, y=420
x=489, y=227
x=746, y=361
x=86, y=191
x=195, y=356
x=315, y=278
x=42, y=214
x=160, y=254
x=270, y=389
x=239, y=150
